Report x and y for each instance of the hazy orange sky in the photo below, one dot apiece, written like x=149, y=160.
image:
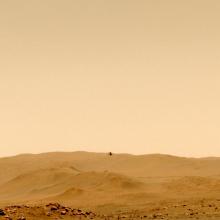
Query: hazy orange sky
x=139, y=76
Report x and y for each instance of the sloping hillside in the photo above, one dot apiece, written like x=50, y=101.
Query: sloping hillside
x=63, y=182
x=144, y=166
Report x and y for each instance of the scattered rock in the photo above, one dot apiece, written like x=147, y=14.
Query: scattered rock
x=158, y=215
x=17, y=206
x=87, y=213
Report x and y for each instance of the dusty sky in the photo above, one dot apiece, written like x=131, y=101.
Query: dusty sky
x=140, y=76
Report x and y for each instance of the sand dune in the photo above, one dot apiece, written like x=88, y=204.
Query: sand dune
x=40, y=181
x=61, y=182
x=102, y=182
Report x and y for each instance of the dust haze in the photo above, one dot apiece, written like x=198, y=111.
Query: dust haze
x=80, y=79
x=125, y=76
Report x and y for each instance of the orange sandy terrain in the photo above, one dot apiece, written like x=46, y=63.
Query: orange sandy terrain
x=99, y=186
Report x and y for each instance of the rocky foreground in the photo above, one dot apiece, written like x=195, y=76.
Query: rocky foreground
x=200, y=209
x=49, y=211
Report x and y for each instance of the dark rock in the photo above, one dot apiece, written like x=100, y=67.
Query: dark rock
x=154, y=216
x=2, y=213
x=18, y=206
x=53, y=208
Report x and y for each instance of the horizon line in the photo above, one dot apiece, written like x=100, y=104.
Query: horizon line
x=106, y=152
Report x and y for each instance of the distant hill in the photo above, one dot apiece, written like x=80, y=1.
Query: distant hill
x=142, y=166
x=97, y=179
